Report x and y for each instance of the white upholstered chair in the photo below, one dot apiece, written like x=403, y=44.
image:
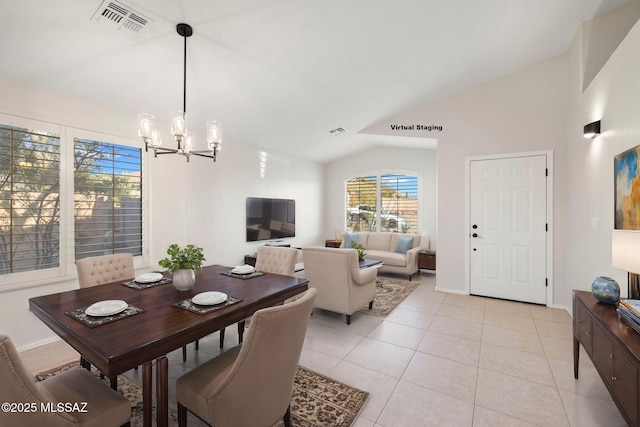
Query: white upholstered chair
x=98, y=270
x=276, y=260
x=343, y=287
x=103, y=269
x=104, y=408
x=250, y=384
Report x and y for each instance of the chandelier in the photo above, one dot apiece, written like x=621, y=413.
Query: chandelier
x=185, y=139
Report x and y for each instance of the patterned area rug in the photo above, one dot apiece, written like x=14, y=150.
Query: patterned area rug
x=389, y=293
x=317, y=401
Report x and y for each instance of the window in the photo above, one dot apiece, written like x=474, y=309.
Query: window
x=29, y=200
x=58, y=181
x=384, y=202
x=107, y=198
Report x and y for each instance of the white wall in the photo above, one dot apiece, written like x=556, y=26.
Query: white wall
x=201, y=202
x=521, y=112
x=613, y=96
x=420, y=162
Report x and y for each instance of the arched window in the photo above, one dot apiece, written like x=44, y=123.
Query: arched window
x=382, y=202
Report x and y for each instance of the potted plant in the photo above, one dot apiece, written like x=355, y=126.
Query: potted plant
x=360, y=249
x=183, y=263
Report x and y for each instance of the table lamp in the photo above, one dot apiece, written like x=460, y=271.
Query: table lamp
x=625, y=255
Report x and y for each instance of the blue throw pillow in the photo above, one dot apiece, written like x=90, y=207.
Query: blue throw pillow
x=348, y=238
x=404, y=244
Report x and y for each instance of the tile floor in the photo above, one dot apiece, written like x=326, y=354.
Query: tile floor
x=438, y=360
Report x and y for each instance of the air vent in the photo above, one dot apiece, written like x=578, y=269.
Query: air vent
x=338, y=131
x=121, y=15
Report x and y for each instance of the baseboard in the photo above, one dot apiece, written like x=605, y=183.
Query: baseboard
x=451, y=291
x=39, y=343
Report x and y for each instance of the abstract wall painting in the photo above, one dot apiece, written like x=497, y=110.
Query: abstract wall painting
x=627, y=190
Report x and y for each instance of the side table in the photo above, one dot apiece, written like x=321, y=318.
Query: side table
x=427, y=260
x=332, y=243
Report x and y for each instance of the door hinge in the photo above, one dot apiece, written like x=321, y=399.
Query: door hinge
x=546, y=171
x=546, y=282
x=546, y=227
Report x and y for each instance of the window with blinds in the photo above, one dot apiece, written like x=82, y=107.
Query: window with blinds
x=385, y=202
x=107, y=198
x=29, y=200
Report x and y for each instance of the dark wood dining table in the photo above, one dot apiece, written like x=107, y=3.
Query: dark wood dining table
x=143, y=338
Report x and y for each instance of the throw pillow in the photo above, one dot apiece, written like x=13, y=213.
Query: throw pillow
x=348, y=238
x=404, y=244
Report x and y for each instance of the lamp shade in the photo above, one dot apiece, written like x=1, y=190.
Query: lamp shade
x=625, y=250
x=592, y=130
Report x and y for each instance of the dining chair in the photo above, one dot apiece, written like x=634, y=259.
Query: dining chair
x=46, y=403
x=250, y=384
x=272, y=259
x=98, y=270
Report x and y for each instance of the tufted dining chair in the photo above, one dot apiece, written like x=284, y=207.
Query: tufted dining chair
x=104, y=407
x=98, y=270
x=103, y=269
x=250, y=384
x=276, y=260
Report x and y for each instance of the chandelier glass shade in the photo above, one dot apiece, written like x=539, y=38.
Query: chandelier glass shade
x=185, y=139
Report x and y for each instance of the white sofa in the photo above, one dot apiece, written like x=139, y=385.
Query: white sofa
x=383, y=246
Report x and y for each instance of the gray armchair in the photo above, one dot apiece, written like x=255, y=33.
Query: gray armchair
x=343, y=287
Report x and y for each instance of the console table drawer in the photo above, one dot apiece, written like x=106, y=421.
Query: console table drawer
x=614, y=348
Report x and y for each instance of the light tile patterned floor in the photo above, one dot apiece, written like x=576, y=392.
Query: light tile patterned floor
x=439, y=360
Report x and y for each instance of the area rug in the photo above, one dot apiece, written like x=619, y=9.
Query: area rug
x=389, y=293
x=317, y=401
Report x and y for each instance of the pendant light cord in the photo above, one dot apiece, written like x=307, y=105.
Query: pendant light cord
x=184, y=81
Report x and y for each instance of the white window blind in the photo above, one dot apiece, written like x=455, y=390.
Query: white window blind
x=362, y=203
x=29, y=200
x=385, y=202
x=107, y=198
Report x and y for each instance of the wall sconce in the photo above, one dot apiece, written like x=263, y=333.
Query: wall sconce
x=592, y=130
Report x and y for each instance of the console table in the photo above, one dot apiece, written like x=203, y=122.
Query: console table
x=614, y=349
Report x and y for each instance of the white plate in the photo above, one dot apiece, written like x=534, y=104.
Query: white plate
x=106, y=308
x=243, y=269
x=209, y=298
x=149, y=277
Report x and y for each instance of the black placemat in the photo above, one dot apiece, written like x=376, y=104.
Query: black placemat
x=242, y=276
x=139, y=286
x=205, y=309
x=95, y=321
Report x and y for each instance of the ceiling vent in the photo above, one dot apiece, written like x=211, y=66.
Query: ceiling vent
x=338, y=131
x=123, y=16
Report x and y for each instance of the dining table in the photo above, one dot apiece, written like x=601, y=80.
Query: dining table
x=158, y=320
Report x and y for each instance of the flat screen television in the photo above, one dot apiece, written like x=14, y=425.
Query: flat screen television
x=269, y=219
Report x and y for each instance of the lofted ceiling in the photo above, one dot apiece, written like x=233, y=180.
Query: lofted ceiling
x=283, y=73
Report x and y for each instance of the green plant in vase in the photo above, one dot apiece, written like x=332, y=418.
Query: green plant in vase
x=183, y=263
x=360, y=249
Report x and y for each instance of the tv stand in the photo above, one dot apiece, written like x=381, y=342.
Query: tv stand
x=278, y=244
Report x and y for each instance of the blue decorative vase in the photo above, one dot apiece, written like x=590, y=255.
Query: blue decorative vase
x=606, y=290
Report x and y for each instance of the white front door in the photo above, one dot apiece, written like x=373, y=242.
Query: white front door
x=508, y=228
